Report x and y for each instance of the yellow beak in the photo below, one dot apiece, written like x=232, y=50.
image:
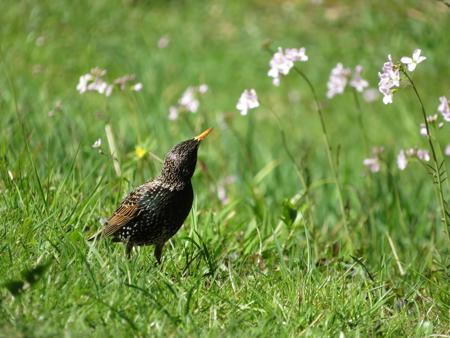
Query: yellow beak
x=202, y=136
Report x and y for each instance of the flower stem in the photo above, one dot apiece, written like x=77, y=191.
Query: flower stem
x=300, y=170
x=329, y=154
x=439, y=170
x=360, y=119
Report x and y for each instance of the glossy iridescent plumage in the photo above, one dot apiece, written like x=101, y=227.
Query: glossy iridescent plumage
x=153, y=212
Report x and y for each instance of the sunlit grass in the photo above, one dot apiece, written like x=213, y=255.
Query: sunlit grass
x=271, y=258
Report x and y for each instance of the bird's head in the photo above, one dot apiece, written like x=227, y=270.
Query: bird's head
x=180, y=161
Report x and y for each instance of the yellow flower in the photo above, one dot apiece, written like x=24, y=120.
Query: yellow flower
x=140, y=152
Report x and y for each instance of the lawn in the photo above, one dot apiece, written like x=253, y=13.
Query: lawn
x=288, y=236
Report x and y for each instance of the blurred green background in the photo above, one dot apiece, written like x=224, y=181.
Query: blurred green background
x=289, y=246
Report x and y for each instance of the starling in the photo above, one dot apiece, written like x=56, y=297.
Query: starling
x=154, y=212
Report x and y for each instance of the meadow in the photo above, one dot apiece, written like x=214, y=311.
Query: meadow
x=288, y=236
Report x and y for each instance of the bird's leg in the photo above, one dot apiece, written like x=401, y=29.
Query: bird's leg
x=129, y=249
x=158, y=252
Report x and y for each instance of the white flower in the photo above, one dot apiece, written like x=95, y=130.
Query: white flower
x=357, y=81
x=279, y=64
x=423, y=155
x=410, y=152
x=203, y=88
x=137, y=87
x=402, y=161
x=444, y=108
x=173, y=113
x=222, y=194
x=338, y=80
x=83, y=83
x=387, y=98
x=414, y=61
x=283, y=61
x=389, y=79
x=222, y=188
x=163, y=41
x=432, y=120
x=373, y=164
x=189, y=101
x=296, y=54
x=423, y=129
x=108, y=90
x=97, y=144
x=93, y=81
x=403, y=156
x=447, y=150
x=10, y=174
x=370, y=94
x=98, y=85
x=248, y=100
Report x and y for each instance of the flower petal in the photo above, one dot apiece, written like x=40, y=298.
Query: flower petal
x=406, y=60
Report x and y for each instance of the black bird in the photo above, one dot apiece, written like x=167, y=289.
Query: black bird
x=153, y=212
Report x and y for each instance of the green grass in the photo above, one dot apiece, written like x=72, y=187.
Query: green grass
x=273, y=261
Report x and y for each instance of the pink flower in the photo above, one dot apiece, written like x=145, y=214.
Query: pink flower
x=189, y=101
x=222, y=194
x=283, y=61
x=432, y=120
x=357, y=81
x=296, y=54
x=338, y=80
x=94, y=81
x=389, y=80
x=423, y=155
x=247, y=101
x=404, y=156
x=340, y=76
x=444, y=108
x=370, y=94
x=373, y=163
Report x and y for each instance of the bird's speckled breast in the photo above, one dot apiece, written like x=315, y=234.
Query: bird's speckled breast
x=163, y=212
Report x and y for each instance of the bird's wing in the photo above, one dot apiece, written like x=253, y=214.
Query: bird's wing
x=128, y=210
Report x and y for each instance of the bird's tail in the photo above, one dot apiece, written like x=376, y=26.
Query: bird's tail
x=95, y=236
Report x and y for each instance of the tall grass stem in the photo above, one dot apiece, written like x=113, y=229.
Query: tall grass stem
x=439, y=170
x=329, y=154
